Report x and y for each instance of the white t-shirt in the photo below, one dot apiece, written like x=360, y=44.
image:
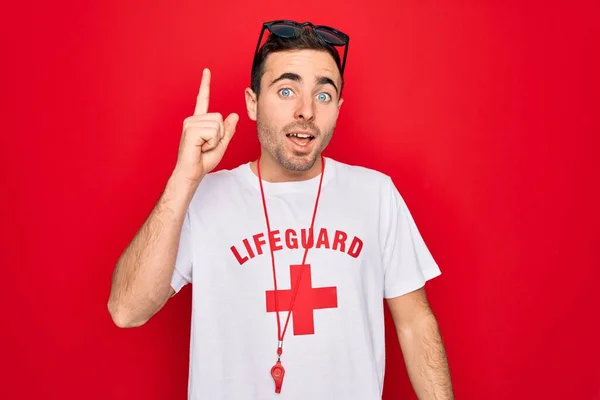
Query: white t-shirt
x=366, y=247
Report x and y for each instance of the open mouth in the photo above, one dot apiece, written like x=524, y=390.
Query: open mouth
x=301, y=139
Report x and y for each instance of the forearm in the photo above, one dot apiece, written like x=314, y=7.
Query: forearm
x=425, y=358
x=142, y=276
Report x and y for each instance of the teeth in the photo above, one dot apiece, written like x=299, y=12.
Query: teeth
x=301, y=135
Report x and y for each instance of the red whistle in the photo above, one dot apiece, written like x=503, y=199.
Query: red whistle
x=277, y=372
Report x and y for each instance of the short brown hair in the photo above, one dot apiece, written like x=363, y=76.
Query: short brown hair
x=306, y=40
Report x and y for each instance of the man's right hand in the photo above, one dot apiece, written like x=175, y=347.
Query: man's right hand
x=205, y=137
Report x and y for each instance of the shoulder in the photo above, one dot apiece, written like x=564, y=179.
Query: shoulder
x=367, y=184
x=361, y=177
x=221, y=183
x=225, y=176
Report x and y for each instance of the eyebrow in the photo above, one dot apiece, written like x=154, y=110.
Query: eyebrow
x=321, y=80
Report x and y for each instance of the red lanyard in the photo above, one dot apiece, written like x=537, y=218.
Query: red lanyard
x=277, y=371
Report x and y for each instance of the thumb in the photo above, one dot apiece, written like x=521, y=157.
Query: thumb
x=230, y=124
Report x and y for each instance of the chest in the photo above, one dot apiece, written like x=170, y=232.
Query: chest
x=240, y=260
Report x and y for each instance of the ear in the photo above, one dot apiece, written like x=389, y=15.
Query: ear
x=251, y=103
x=340, y=103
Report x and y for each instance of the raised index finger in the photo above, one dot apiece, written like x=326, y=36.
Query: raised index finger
x=203, y=94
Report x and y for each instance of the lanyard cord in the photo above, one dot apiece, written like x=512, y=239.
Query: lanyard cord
x=281, y=334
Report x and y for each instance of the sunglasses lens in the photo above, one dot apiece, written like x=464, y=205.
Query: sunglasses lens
x=284, y=29
x=331, y=37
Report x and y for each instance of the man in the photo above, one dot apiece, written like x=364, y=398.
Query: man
x=293, y=230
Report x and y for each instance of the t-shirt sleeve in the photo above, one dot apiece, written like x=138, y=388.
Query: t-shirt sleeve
x=182, y=274
x=408, y=263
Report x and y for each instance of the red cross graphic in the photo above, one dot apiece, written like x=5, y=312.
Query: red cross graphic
x=307, y=300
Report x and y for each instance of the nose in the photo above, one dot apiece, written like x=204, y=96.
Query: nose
x=305, y=109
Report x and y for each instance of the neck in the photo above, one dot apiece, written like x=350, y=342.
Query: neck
x=272, y=171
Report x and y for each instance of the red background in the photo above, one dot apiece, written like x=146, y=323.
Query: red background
x=485, y=115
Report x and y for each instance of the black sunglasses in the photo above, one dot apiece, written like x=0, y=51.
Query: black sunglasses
x=289, y=29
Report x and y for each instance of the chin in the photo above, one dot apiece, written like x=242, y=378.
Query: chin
x=298, y=162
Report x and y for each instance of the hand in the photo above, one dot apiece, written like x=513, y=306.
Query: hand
x=205, y=136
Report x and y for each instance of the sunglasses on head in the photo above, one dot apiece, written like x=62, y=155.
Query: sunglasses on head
x=289, y=29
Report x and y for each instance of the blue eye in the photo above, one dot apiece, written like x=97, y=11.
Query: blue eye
x=285, y=92
x=323, y=96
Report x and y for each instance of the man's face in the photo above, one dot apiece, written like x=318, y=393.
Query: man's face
x=298, y=106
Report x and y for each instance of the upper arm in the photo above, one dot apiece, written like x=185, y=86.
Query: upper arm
x=407, y=262
x=182, y=271
x=410, y=309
